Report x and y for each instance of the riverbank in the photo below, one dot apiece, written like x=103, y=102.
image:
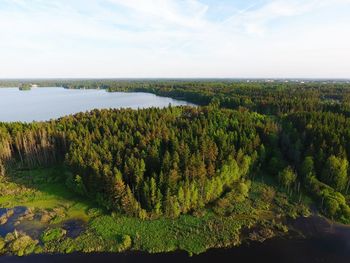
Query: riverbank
x=320, y=245
x=45, y=217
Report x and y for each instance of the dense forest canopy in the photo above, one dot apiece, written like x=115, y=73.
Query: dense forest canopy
x=146, y=162
x=177, y=160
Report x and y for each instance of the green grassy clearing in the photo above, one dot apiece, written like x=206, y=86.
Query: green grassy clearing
x=43, y=189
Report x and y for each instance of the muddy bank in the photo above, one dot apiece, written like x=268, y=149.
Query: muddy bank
x=33, y=223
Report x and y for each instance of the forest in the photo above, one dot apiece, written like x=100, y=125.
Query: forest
x=162, y=163
x=145, y=163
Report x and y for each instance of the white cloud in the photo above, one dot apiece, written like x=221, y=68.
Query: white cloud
x=255, y=20
x=187, y=13
x=173, y=38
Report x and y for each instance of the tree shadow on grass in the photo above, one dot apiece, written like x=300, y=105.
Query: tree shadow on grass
x=51, y=182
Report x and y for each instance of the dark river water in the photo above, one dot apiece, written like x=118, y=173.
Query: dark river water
x=323, y=242
x=41, y=104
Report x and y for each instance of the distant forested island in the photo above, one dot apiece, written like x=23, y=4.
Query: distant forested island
x=252, y=155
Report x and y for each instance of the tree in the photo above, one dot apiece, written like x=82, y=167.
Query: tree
x=307, y=167
x=287, y=177
x=172, y=206
x=181, y=197
x=130, y=160
x=262, y=155
x=215, y=103
x=331, y=206
x=2, y=169
x=153, y=191
x=79, y=185
x=274, y=166
x=335, y=172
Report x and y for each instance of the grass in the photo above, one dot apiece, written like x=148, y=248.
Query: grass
x=52, y=234
x=197, y=234
x=45, y=190
x=189, y=233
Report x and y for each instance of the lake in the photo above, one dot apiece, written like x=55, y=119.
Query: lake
x=41, y=104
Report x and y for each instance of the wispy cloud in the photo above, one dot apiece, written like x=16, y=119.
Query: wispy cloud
x=188, y=13
x=256, y=18
x=140, y=38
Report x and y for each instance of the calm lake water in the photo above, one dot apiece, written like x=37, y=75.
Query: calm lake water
x=41, y=104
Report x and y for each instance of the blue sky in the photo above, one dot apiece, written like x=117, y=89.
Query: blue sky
x=174, y=38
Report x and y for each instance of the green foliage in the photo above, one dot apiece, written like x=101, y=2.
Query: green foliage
x=233, y=201
x=136, y=162
x=2, y=245
x=287, y=177
x=325, y=137
x=333, y=203
x=154, y=167
x=335, y=172
x=308, y=167
x=79, y=185
x=275, y=165
x=193, y=234
x=25, y=87
x=125, y=243
x=20, y=244
x=331, y=206
x=45, y=194
x=53, y=234
x=2, y=169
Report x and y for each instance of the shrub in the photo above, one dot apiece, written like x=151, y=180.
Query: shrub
x=53, y=234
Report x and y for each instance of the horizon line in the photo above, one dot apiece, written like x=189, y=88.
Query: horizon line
x=174, y=78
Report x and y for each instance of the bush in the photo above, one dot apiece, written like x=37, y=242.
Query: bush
x=21, y=244
x=2, y=245
x=331, y=206
x=125, y=244
x=53, y=234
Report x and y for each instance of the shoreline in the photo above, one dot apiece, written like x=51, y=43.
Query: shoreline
x=301, y=228
x=322, y=244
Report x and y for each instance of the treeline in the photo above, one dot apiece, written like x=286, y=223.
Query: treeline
x=275, y=98
x=266, y=97
x=318, y=145
x=31, y=145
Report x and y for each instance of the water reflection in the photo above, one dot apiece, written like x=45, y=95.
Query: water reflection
x=42, y=104
x=24, y=220
x=322, y=242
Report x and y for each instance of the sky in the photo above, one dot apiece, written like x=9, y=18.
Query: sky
x=175, y=39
